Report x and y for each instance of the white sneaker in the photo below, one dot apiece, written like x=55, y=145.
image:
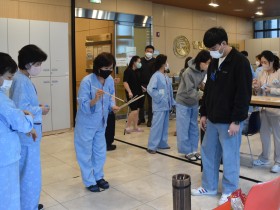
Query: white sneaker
x=259, y=162
x=202, y=191
x=224, y=198
x=275, y=168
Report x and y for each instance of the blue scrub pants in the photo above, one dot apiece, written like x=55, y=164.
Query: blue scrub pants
x=9, y=187
x=90, y=146
x=159, y=131
x=217, y=144
x=30, y=176
x=187, y=128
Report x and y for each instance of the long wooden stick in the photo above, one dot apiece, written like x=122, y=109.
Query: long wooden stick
x=109, y=94
x=131, y=101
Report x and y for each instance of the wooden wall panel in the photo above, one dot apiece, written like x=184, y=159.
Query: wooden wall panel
x=49, y=2
x=35, y=11
x=8, y=9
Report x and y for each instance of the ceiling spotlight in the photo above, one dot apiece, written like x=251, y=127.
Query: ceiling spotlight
x=260, y=13
x=251, y=0
x=213, y=3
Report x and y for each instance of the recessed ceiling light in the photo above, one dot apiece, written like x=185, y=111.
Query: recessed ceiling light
x=260, y=13
x=251, y=0
x=213, y=3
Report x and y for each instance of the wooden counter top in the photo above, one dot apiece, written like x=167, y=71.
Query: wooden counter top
x=265, y=101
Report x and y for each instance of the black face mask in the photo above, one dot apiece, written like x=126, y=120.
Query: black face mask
x=103, y=73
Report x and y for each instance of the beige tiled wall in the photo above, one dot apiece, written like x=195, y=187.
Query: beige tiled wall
x=256, y=46
x=172, y=22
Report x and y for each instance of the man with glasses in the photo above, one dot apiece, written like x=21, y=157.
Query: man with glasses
x=224, y=107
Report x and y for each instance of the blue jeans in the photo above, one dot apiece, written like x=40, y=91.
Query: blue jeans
x=218, y=144
x=187, y=128
x=159, y=131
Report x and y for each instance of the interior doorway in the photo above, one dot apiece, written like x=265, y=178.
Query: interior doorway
x=127, y=31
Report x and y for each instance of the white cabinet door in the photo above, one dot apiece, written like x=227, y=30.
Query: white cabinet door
x=40, y=36
x=18, y=36
x=60, y=102
x=43, y=88
x=4, y=35
x=59, y=49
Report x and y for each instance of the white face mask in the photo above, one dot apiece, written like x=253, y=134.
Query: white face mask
x=138, y=65
x=265, y=67
x=257, y=63
x=166, y=67
x=6, y=84
x=149, y=55
x=34, y=70
x=216, y=53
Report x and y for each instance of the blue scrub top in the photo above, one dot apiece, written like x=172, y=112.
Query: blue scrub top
x=97, y=114
x=161, y=91
x=12, y=121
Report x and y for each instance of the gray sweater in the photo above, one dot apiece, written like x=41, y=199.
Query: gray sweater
x=187, y=93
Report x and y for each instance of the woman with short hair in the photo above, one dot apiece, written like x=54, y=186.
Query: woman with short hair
x=24, y=94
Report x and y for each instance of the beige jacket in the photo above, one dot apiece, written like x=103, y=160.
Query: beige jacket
x=273, y=81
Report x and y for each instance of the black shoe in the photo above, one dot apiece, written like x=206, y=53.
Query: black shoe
x=151, y=151
x=102, y=184
x=93, y=188
x=111, y=147
x=149, y=124
x=40, y=206
x=141, y=121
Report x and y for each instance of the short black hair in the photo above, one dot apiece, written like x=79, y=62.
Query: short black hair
x=202, y=57
x=7, y=64
x=150, y=46
x=132, y=60
x=215, y=35
x=30, y=54
x=104, y=59
x=270, y=57
x=244, y=52
x=160, y=60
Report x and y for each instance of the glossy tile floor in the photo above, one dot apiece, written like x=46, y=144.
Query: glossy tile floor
x=138, y=180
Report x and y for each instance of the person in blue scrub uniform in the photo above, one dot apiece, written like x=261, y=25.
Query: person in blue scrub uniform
x=12, y=120
x=161, y=91
x=91, y=119
x=24, y=94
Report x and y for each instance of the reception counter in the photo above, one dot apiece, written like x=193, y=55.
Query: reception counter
x=265, y=101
